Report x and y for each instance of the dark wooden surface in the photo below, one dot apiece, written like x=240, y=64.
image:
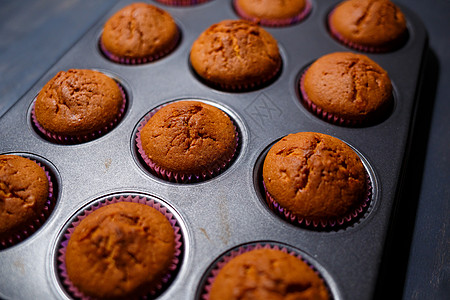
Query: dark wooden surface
x=35, y=34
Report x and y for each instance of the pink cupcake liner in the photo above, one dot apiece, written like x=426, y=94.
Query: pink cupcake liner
x=328, y=224
x=77, y=139
x=274, y=23
x=139, y=60
x=364, y=48
x=178, y=176
x=181, y=2
x=320, y=112
x=35, y=224
x=241, y=250
x=62, y=270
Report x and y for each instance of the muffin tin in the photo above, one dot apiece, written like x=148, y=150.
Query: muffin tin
x=229, y=210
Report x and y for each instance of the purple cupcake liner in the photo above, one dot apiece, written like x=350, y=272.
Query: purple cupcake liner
x=275, y=23
x=320, y=112
x=62, y=270
x=364, y=48
x=181, y=2
x=241, y=250
x=180, y=177
x=77, y=139
x=328, y=224
x=139, y=60
x=35, y=224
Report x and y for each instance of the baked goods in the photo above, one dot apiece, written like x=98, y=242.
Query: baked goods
x=24, y=192
x=78, y=105
x=369, y=25
x=181, y=2
x=273, y=12
x=139, y=33
x=235, y=55
x=187, y=141
x=120, y=251
x=347, y=89
x=267, y=274
x=315, y=178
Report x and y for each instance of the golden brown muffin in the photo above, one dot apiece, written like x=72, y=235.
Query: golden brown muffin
x=182, y=2
x=349, y=86
x=272, y=12
x=314, y=176
x=235, y=54
x=369, y=25
x=120, y=251
x=267, y=274
x=78, y=102
x=139, y=31
x=24, y=190
x=189, y=137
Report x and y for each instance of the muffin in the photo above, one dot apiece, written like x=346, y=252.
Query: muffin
x=121, y=250
x=24, y=192
x=368, y=25
x=181, y=2
x=187, y=141
x=139, y=33
x=267, y=274
x=314, y=178
x=78, y=105
x=273, y=12
x=235, y=55
x=347, y=89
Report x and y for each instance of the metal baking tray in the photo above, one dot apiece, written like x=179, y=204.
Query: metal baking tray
x=228, y=210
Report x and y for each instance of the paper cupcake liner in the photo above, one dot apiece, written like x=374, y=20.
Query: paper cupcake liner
x=180, y=177
x=181, y=2
x=225, y=259
x=330, y=223
x=365, y=48
x=274, y=23
x=62, y=270
x=35, y=224
x=77, y=139
x=139, y=60
x=320, y=112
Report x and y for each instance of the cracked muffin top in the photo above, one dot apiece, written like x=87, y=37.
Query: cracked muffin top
x=189, y=137
x=120, y=251
x=271, y=12
x=267, y=274
x=376, y=25
x=314, y=176
x=24, y=190
x=140, y=30
x=348, y=85
x=78, y=102
x=235, y=54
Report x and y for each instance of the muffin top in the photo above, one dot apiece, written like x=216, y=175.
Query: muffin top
x=235, y=54
x=267, y=274
x=271, y=9
x=373, y=23
x=348, y=85
x=24, y=190
x=78, y=102
x=314, y=176
x=181, y=2
x=120, y=250
x=189, y=137
x=140, y=30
